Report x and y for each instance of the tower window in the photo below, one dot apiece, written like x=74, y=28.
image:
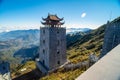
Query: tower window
x=58, y=62
x=58, y=52
x=43, y=41
x=43, y=31
x=58, y=42
x=43, y=62
x=4, y=68
x=58, y=31
x=43, y=51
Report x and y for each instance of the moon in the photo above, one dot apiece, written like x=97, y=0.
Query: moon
x=83, y=15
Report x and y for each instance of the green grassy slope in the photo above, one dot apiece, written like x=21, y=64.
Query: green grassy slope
x=90, y=43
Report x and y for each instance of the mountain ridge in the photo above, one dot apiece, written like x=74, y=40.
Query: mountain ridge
x=4, y=36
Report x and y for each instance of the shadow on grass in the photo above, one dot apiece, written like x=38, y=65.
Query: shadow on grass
x=32, y=75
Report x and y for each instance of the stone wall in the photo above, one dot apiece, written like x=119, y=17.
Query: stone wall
x=112, y=37
x=57, y=47
x=44, y=46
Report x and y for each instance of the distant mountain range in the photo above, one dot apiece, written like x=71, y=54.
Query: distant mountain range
x=31, y=37
x=27, y=38
x=19, y=34
x=33, y=34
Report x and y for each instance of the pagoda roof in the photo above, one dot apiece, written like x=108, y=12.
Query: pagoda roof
x=52, y=17
x=52, y=20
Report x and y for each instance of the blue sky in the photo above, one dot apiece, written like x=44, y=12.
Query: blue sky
x=26, y=14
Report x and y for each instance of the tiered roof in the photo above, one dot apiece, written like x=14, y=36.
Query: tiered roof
x=52, y=20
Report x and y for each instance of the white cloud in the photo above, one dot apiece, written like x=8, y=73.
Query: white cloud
x=25, y=26
x=7, y=30
x=83, y=15
x=83, y=25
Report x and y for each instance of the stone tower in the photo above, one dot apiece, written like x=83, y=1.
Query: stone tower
x=52, y=44
x=112, y=36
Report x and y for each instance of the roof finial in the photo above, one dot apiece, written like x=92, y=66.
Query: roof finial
x=110, y=15
x=48, y=14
